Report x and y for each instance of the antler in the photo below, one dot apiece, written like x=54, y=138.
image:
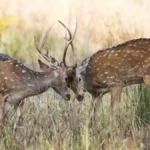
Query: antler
x=69, y=42
x=50, y=59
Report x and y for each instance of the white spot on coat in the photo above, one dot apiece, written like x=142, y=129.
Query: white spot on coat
x=105, y=72
x=30, y=85
x=23, y=71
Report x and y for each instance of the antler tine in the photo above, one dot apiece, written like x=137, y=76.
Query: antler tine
x=75, y=31
x=42, y=44
x=71, y=39
x=69, y=42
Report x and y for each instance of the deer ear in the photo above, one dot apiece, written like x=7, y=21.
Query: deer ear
x=43, y=66
x=53, y=62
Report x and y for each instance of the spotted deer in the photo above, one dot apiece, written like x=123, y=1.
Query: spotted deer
x=110, y=70
x=18, y=82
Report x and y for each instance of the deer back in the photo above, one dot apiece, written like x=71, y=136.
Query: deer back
x=15, y=73
x=122, y=65
x=4, y=57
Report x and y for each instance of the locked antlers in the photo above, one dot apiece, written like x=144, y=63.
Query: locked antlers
x=69, y=41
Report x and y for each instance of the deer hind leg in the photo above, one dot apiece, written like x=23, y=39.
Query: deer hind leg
x=18, y=109
x=115, y=101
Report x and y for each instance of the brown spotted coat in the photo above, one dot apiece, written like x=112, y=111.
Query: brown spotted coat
x=114, y=68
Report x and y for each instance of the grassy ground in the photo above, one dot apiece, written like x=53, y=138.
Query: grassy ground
x=50, y=123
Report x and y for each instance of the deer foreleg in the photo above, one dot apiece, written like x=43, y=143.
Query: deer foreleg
x=19, y=109
x=92, y=106
x=95, y=105
x=115, y=101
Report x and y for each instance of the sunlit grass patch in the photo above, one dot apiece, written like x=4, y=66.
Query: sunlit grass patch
x=7, y=21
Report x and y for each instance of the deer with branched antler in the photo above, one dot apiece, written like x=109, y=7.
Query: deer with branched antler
x=18, y=82
x=72, y=71
x=110, y=70
x=114, y=68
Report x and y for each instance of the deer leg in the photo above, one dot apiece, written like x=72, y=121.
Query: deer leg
x=2, y=101
x=115, y=101
x=95, y=105
x=1, y=112
x=19, y=109
x=92, y=106
x=93, y=110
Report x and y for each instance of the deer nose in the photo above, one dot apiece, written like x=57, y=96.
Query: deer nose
x=67, y=97
x=80, y=97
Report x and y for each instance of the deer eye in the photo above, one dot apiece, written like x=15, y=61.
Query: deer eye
x=79, y=79
x=66, y=79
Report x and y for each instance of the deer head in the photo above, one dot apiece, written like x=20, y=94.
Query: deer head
x=54, y=66
x=72, y=71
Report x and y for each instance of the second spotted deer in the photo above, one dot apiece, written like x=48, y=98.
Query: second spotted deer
x=114, y=68
x=18, y=82
x=109, y=70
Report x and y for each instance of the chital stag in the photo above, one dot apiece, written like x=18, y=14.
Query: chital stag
x=114, y=68
x=110, y=70
x=71, y=71
x=18, y=82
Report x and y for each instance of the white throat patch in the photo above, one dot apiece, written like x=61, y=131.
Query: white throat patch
x=85, y=63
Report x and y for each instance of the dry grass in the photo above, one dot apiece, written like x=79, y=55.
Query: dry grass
x=49, y=122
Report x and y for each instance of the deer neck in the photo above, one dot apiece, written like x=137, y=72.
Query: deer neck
x=41, y=81
x=86, y=74
x=85, y=69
